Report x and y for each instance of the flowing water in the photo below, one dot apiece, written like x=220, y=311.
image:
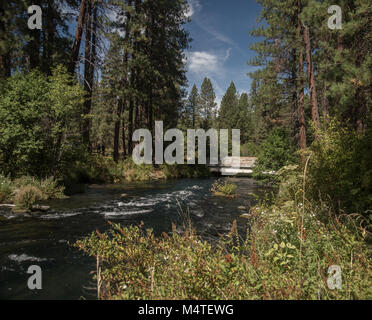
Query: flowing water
x=44, y=239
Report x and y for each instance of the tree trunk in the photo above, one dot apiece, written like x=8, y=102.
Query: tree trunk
x=90, y=59
x=78, y=35
x=294, y=111
x=311, y=79
x=123, y=138
x=5, y=70
x=117, y=130
x=88, y=81
x=130, y=127
x=301, y=112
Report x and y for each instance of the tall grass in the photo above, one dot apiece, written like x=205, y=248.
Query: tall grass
x=26, y=191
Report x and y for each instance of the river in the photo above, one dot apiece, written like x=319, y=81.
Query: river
x=44, y=239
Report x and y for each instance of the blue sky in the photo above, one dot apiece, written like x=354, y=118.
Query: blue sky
x=220, y=46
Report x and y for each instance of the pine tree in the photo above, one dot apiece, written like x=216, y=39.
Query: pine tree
x=245, y=122
x=229, y=114
x=275, y=95
x=207, y=104
x=191, y=116
x=278, y=97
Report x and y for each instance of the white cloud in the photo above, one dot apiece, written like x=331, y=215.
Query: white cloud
x=203, y=62
x=190, y=11
x=208, y=28
x=194, y=6
x=227, y=55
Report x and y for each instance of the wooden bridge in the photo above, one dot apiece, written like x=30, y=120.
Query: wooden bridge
x=231, y=166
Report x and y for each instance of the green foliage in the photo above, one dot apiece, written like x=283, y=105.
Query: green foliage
x=235, y=113
x=229, y=114
x=343, y=60
x=5, y=188
x=134, y=172
x=340, y=168
x=99, y=169
x=245, y=121
x=190, y=117
x=224, y=188
x=207, y=101
x=339, y=171
x=24, y=49
x=276, y=152
x=36, y=113
x=291, y=180
x=49, y=187
x=250, y=149
x=298, y=244
x=27, y=190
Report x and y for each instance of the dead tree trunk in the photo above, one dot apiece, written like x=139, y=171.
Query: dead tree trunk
x=78, y=35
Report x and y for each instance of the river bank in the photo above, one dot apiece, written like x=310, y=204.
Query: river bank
x=25, y=193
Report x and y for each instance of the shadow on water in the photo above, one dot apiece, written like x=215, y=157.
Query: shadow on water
x=44, y=239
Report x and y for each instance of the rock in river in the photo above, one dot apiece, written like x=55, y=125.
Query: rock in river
x=37, y=207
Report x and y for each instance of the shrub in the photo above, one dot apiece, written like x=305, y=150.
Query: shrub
x=5, y=189
x=26, y=196
x=296, y=244
x=84, y=167
x=28, y=101
x=291, y=180
x=224, y=188
x=276, y=151
x=250, y=149
x=134, y=172
x=49, y=188
x=340, y=168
